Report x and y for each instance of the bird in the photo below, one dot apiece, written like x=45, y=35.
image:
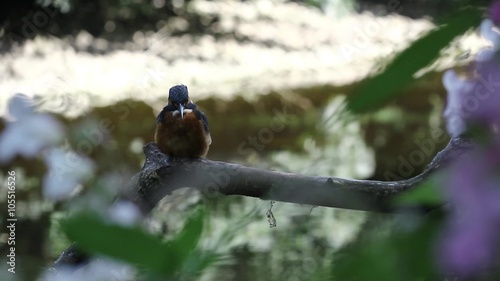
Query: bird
x=182, y=129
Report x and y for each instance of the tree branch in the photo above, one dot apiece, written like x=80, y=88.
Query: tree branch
x=162, y=174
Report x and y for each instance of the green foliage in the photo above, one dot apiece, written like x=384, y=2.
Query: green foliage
x=405, y=253
x=381, y=88
x=133, y=245
x=423, y=194
x=187, y=240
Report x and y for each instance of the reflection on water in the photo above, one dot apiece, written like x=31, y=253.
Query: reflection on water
x=341, y=151
x=65, y=102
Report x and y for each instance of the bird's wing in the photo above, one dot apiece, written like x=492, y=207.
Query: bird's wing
x=200, y=115
x=159, y=118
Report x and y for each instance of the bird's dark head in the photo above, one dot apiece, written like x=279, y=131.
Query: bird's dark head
x=178, y=97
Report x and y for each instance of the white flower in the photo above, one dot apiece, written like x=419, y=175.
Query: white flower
x=458, y=89
x=104, y=269
x=27, y=132
x=124, y=213
x=66, y=171
x=490, y=33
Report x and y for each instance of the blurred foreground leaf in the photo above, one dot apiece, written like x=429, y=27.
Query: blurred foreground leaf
x=381, y=88
x=403, y=253
x=133, y=245
x=423, y=194
x=187, y=240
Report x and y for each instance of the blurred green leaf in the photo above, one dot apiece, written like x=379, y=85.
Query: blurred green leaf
x=362, y=260
x=415, y=248
x=186, y=241
x=134, y=246
x=381, y=88
x=403, y=253
x=128, y=244
x=425, y=194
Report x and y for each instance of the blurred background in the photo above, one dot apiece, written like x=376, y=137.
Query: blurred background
x=246, y=64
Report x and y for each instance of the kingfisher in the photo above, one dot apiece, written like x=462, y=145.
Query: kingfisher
x=182, y=129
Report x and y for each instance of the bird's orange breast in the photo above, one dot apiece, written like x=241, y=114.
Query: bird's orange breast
x=182, y=137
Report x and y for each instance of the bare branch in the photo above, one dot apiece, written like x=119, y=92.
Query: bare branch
x=162, y=174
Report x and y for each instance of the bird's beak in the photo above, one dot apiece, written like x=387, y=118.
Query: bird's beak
x=181, y=110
